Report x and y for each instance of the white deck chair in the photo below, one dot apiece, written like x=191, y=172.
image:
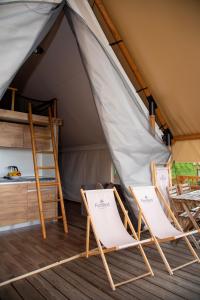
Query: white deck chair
x=161, y=177
x=109, y=231
x=148, y=199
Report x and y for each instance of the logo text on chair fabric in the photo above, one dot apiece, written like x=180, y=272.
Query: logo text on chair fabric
x=102, y=204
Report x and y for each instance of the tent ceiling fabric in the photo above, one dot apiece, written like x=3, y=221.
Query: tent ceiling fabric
x=163, y=38
x=184, y=151
x=59, y=73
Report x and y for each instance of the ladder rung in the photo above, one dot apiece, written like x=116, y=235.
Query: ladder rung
x=44, y=137
x=49, y=183
x=46, y=168
x=53, y=218
x=45, y=152
x=51, y=201
x=43, y=123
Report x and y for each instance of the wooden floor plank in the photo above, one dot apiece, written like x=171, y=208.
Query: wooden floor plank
x=63, y=286
x=81, y=283
x=27, y=291
x=9, y=293
x=24, y=250
x=45, y=288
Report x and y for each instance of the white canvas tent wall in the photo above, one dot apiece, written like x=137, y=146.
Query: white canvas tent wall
x=97, y=87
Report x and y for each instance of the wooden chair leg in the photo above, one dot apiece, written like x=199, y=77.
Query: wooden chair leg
x=194, y=241
x=191, y=218
x=193, y=252
x=163, y=257
x=145, y=260
x=88, y=236
x=139, y=223
x=125, y=220
x=106, y=266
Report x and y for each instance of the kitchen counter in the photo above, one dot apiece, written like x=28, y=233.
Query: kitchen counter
x=19, y=202
x=24, y=179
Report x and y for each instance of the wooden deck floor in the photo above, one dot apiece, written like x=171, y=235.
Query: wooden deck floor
x=23, y=250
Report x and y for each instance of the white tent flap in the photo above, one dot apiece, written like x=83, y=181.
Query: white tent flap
x=124, y=121
x=22, y=27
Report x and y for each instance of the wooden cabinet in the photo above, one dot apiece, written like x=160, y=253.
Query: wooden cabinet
x=18, y=203
x=48, y=194
x=42, y=140
x=18, y=136
x=12, y=135
x=13, y=204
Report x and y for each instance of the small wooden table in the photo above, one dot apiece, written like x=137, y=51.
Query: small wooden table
x=188, y=200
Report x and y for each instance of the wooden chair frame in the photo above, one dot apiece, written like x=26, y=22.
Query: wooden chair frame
x=182, y=188
x=158, y=241
x=100, y=250
x=154, y=182
x=153, y=172
x=176, y=208
x=183, y=214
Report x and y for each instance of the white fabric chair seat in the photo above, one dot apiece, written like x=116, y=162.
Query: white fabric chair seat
x=154, y=214
x=107, y=221
x=163, y=180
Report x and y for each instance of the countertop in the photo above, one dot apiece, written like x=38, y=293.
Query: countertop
x=24, y=179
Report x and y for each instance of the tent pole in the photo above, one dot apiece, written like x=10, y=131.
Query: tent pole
x=124, y=50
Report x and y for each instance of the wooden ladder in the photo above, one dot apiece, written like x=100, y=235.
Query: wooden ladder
x=55, y=167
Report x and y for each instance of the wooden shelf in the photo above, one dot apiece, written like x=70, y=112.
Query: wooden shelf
x=20, y=117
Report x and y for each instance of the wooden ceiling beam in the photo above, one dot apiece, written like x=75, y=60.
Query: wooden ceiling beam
x=187, y=137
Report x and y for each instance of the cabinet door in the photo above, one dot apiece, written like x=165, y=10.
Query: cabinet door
x=50, y=209
x=13, y=203
x=41, y=134
x=11, y=135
